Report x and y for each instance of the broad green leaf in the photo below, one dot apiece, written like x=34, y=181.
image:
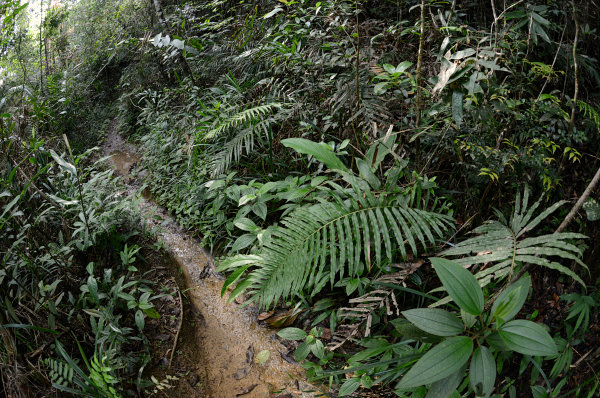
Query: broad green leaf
x=322, y=152
x=246, y=198
x=366, y=381
x=260, y=209
x=243, y=242
x=592, y=209
x=318, y=349
x=63, y=163
x=439, y=362
x=463, y=54
x=302, y=352
x=509, y=302
x=292, y=334
x=527, y=338
x=435, y=321
x=380, y=88
x=237, y=261
x=349, y=387
x=262, y=356
x=231, y=279
x=483, y=371
x=92, y=286
x=538, y=392
x=139, y=319
x=446, y=387
x=365, y=172
x=468, y=319
x=402, y=66
x=460, y=284
x=151, y=313
x=245, y=224
x=273, y=12
x=410, y=331
x=389, y=68
x=496, y=342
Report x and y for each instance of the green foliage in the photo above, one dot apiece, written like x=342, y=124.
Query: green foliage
x=62, y=232
x=60, y=372
x=441, y=361
x=449, y=356
x=507, y=243
x=488, y=110
x=581, y=308
x=328, y=240
x=460, y=285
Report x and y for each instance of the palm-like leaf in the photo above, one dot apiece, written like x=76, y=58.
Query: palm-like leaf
x=328, y=240
x=238, y=118
x=244, y=139
x=502, y=244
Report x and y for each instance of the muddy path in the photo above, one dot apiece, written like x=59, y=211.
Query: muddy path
x=219, y=342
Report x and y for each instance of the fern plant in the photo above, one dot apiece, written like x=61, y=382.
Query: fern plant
x=233, y=129
x=325, y=241
x=254, y=123
x=69, y=377
x=60, y=372
x=502, y=244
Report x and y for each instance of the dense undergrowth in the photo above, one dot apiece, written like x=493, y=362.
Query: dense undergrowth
x=328, y=152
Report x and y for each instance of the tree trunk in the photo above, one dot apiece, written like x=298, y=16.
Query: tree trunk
x=163, y=23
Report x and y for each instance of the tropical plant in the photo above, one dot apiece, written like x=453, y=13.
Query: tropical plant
x=335, y=237
x=501, y=246
x=475, y=335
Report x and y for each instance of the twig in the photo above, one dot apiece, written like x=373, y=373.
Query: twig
x=575, y=69
x=178, y=327
x=420, y=64
x=580, y=202
x=553, y=62
x=567, y=219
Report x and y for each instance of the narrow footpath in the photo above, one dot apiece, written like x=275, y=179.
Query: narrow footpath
x=219, y=342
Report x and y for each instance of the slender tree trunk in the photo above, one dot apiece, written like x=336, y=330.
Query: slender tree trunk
x=420, y=64
x=418, y=81
x=575, y=70
x=46, y=56
x=580, y=202
x=163, y=23
x=41, y=45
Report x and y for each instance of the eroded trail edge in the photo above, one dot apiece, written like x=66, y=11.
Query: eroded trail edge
x=226, y=339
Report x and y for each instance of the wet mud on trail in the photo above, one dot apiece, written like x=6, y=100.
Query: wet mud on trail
x=218, y=343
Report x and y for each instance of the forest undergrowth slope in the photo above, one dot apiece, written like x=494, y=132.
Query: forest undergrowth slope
x=406, y=189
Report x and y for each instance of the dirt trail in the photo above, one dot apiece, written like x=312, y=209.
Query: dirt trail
x=225, y=338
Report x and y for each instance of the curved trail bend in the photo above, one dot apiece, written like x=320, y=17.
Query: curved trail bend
x=225, y=337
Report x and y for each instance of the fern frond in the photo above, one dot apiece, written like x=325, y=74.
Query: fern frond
x=243, y=117
x=326, y=241
x=501, y=244
x=590, y=112
x=243, y=141
x=60, y=372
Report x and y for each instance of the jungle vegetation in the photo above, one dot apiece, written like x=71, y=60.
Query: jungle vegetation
x=414, y=181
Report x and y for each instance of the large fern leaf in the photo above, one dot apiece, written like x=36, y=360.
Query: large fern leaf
x=327, y=241
x=242, y=141
x=500, y=245
x=238, y=118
